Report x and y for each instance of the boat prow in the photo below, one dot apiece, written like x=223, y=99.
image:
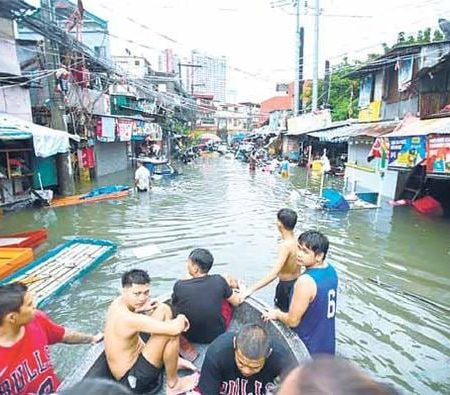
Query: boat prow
x=94, y=365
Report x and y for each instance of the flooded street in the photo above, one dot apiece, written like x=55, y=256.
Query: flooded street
x=217, y=204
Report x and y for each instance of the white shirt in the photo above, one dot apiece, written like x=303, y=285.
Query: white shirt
x=142, y=176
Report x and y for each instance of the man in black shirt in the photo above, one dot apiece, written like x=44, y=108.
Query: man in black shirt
x=200, y=298
x=246, y=363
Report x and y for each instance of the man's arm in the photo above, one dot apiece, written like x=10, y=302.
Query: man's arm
x=304, y=293
x=74, y=337
x=144, y=323
x=283, y=254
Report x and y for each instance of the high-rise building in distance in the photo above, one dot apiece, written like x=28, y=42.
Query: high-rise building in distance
x=211, y=77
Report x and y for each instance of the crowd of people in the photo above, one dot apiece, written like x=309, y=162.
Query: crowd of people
x=144, y=338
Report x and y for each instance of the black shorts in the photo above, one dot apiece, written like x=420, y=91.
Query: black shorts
x=141, y=190
x=143, y=377
x=283, y=294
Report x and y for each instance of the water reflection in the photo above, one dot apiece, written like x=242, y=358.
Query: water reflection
x=217, y=204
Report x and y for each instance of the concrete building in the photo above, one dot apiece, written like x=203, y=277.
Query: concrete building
x=135, y=66
x=211, y=77
x=94, y=33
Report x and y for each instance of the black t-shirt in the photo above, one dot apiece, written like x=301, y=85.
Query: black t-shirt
x=200, y=299
x=220, y=375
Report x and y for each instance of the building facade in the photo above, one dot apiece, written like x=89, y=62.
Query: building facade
x=211, y=77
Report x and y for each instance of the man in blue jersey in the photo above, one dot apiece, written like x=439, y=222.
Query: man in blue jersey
x=312, y=309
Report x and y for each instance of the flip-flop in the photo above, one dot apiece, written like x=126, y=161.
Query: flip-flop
x=187, y=350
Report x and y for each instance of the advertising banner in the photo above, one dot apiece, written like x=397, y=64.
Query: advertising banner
x=439, y=154
x=125, y=129
x=407, y=151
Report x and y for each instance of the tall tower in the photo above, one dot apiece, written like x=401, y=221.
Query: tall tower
x=211, y=77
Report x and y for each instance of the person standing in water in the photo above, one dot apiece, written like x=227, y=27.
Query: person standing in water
x=285, y=267
x=142, y=178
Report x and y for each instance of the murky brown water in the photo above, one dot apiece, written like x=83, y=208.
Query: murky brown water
x=217, y=204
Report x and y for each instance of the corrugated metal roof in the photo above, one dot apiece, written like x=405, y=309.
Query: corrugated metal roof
x=344, y=133
x=422, y=127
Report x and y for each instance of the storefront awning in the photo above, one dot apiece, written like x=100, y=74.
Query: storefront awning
x=46, y=141
x=346, y=132
x=422, y=127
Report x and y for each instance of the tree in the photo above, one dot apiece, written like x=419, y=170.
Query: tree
x=437, y=35
x=343, y=99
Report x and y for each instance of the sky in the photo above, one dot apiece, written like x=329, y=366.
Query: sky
x=258, y=36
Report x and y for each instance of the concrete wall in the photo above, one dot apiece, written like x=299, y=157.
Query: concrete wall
x=110, y=158
x=366, y=180
x=16, y=101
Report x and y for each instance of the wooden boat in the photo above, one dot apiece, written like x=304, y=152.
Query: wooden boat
x=90, y=197
x=50, y=274
x=12, y=259
x=29, y=238
x=158, y=167
x=94, y=365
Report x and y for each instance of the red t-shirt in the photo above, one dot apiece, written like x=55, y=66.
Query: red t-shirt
x=25, y=367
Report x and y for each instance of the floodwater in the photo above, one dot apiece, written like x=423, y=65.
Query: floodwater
x=396, y=333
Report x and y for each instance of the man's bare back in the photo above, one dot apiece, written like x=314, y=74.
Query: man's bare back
x=290, y=269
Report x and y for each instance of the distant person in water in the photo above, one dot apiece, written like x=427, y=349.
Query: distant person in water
x=204, y=298
x=284, y=167
x=142, y=178
x=285, y=268
x=134, y=363
x=312, y=310
x=247, y=362
x=331, y=376
x=252, y=161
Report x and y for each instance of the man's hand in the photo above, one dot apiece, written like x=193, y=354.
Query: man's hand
x=97, y=338
x=148, y=307
x=270, y=315
x=244, y=295
x=183, y=322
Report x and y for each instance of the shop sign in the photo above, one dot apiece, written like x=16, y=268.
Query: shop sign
x=439, y=154
x=407, y=151
x=125, y=129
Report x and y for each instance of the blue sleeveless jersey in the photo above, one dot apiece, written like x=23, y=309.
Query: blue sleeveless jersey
x=317, y=326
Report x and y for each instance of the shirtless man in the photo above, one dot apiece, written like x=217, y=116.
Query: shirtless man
x=286, y=267
x=132, y=362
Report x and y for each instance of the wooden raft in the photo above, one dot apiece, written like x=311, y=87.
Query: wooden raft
x=59, y=268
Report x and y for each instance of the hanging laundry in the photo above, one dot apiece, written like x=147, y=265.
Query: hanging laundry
x=88, y=158
x=98, y=128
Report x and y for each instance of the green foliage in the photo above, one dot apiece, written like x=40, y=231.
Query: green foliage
x=343, y=100
x=421, y=37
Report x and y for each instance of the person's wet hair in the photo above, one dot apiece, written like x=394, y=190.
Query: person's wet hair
x=331, y=376
x=96, y=386
x=11, y=298
x=314, y=241
x=252, y=341
x=202, y=258
x=288, y=218
x=135, y=276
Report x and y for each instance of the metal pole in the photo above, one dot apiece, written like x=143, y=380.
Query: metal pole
x=297, y=61
x=52, y=61
x=316, y=56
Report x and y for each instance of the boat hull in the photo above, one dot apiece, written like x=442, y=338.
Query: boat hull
x=79, y=199
x=94, y=364
x=27, y=239
x=12, y=259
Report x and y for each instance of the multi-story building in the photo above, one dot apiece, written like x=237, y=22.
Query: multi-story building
x=168, y=61
x=211, y=77
x=94, y=32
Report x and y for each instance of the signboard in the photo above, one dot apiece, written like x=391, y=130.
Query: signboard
x=439, y=154
x=125, y=129
x=407, y=151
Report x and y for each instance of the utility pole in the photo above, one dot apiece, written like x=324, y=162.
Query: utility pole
x=326, y=84
x=64, y=166
x=300, y=72
x=297, y=60
x=315, y=88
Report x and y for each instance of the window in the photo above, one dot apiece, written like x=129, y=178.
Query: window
x=100, y=52
x=137, y=63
